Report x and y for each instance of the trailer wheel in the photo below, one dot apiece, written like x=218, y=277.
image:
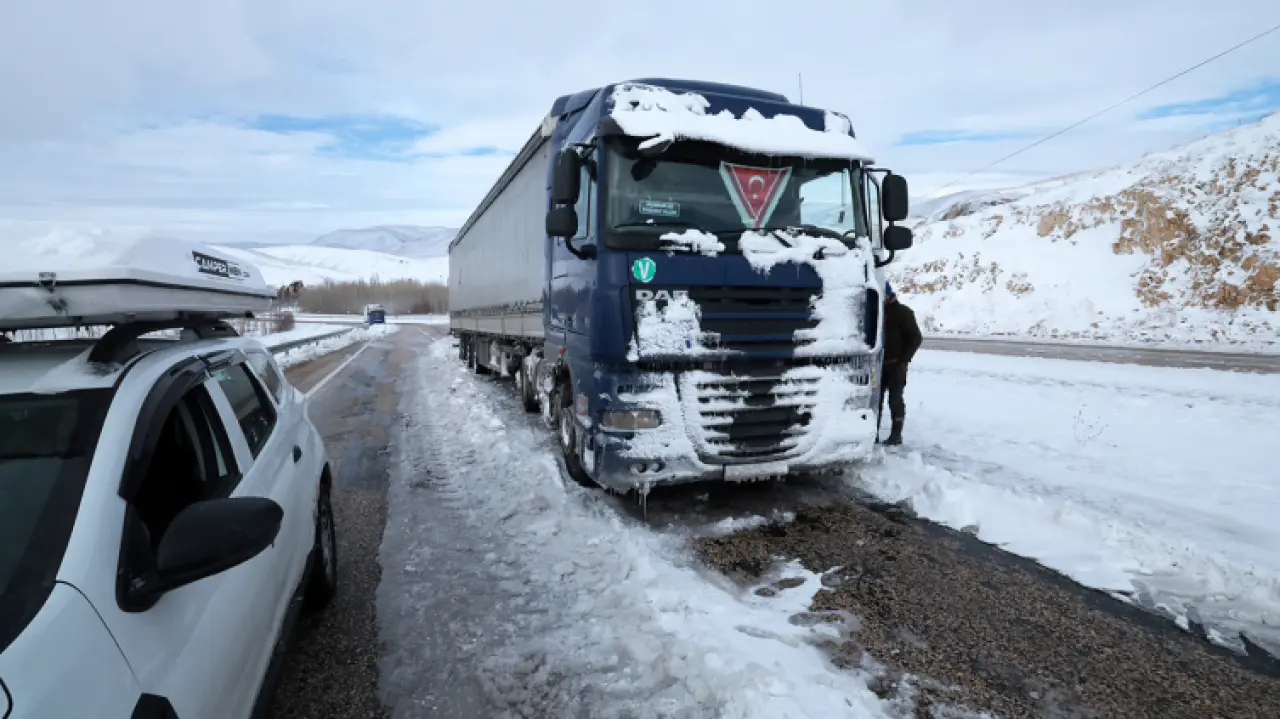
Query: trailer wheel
x=525, y=387
x=566, y=433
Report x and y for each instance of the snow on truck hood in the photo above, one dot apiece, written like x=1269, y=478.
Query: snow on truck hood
x=663, y=116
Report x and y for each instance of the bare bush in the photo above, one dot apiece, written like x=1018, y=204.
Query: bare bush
x=399, y=297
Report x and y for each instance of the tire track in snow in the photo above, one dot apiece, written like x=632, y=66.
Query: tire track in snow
x=543, y=600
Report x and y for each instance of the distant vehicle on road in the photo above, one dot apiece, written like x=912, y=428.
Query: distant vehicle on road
x=164, y=502
x=375, y=315
x=686, y=278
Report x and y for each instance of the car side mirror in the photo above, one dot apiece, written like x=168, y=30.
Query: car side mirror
x=566, y=178
x=893, y=198
x=897, y=238
x=562, y=222
x=210, y=537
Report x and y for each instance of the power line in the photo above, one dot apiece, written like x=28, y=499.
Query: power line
x=1104, y=111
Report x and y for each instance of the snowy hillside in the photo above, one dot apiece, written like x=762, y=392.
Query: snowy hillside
x=1178, y=247
x=402, y=240
x=283, y=264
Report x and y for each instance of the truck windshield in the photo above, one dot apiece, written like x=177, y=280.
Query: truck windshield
x=46, y=444
x=708, y=187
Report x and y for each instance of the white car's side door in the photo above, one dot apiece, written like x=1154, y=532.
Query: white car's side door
x=204, y=646
x=306, y=452
x=263, y=442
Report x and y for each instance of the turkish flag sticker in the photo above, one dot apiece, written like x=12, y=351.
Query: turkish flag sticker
x=754, y=190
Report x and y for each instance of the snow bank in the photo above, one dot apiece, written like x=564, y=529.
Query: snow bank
x=1181, y=247
x=300, y=332
x=665, y=116
x=315, y=350
x=315, y=265
x=598, y=615
x=1157, y=484
x=391, y=320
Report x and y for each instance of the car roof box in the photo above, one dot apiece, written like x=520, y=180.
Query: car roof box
x=74, y=278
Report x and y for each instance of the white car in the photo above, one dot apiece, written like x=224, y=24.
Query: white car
x=164, y=517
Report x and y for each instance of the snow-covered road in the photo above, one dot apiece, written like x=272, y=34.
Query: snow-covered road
x=509, y=591
x=575, y=609
x=1158, y=483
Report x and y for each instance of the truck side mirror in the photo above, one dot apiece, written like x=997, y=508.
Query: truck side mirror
x=893, y=198
x=897, y=238
x=562, y=221
x=566, y=178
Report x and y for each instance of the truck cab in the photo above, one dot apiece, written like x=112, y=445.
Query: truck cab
x=375, y=314
x=712, y=288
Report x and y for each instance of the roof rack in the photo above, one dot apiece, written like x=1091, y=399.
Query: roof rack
x=120, y=343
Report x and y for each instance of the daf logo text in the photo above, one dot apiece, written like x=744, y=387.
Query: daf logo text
x=661, y=295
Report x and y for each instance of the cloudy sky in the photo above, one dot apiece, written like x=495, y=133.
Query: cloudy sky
x=278, y=120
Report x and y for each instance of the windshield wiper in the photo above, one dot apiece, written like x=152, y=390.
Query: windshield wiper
x=811, y=229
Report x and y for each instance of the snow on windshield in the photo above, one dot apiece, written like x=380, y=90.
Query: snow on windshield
x=664, y=116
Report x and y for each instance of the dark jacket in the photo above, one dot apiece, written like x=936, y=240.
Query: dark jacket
x=901, y=333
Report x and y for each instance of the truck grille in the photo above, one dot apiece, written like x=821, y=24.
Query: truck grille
x=754, y=320
x=749, y=419
x=761, y=414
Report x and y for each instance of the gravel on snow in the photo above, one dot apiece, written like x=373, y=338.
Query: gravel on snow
x=955, y=621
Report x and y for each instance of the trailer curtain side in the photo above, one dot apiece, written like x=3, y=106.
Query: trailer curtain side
x=497, y=264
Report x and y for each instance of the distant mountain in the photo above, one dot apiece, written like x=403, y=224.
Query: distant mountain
x=402, y=240
x=312, y=265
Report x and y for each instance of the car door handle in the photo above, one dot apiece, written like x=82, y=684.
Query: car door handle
x=297, y=453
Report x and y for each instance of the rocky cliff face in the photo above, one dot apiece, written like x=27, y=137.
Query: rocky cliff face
x=1178, y=247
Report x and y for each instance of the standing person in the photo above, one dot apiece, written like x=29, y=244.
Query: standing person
x=901, y=340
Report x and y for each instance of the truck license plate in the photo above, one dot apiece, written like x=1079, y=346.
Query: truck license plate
x=754, y=471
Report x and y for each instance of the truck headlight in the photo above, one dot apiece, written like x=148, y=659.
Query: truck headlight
x=630, y=420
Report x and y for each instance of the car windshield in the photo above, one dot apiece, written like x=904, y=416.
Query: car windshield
x=46, y=442
x=698, y=185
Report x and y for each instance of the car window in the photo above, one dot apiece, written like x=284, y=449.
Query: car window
x=192, y=461
x=46, y=443
x=254, y=412
x=269, y=373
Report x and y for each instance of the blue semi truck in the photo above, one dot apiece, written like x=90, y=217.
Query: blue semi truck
x=685, y=279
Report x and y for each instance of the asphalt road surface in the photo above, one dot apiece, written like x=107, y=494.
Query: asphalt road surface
x=949, y=622
x=332, y=668
x=1231, y=361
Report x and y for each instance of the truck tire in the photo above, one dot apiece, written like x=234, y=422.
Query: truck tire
x=566, y=434
x=526, y=389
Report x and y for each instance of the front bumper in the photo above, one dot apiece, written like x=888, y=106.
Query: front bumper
x=706, y=414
